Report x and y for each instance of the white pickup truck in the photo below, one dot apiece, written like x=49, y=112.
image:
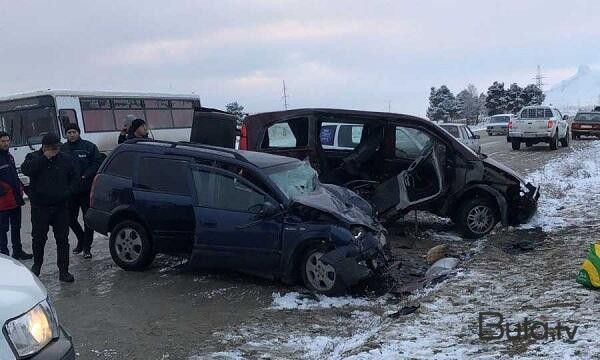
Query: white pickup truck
x=535, y=124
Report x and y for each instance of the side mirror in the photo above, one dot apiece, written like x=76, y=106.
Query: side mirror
x=476, y=136
x=268, y=209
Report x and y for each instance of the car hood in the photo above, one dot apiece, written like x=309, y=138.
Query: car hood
x=20, y=290
x=487, y=161
x=497, y=124
x=340, y=202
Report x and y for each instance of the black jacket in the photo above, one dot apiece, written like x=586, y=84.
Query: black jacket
x=51, y=181
x=11, y=194
x=87, y=160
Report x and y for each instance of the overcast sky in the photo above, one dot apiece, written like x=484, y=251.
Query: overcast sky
x=346, y=54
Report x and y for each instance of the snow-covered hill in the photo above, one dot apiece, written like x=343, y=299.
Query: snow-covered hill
x=580, y=90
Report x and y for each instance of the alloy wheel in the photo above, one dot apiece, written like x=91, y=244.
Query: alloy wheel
x=320, y=276
x=480, y=219
x=128, y=245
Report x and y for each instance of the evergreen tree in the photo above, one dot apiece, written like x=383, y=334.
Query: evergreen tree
x=235, y=109
x=496, y=99
x=468, y=105
x=532, y=95
x=442, y=104
x=515, y=98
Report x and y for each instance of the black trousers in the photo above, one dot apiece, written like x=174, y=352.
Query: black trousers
x=85, y=236
x=10, y=218
x=42, y=217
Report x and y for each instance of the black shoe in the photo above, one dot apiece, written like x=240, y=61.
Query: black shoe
x=77, y=250
x=87, y=254
x=66, y=277
x=35, y=269
x=22, y=256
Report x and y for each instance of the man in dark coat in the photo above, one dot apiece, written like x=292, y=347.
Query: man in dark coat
x=11, y=200
x=138, y=129
x=87, y=160
x=53, y=178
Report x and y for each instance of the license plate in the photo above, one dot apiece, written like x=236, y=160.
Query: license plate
x=530, y=135
x=586, y=126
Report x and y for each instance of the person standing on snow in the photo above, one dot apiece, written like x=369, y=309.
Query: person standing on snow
x=87, y=160
x=126, y=125
x=11, y=200
x=53, y=178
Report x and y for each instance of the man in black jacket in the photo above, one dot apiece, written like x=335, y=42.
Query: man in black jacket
x=53, y=178
x=137, y=130
x=87, y=160
x=11, y=200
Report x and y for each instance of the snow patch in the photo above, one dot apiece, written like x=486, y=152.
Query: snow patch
x=295, y=300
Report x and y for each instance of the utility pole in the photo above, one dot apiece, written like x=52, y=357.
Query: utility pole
x=389, y=105
x=285, y=96
x=539, y=79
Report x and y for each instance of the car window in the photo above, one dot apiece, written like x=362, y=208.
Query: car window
x=410, y=142
x=232, y=194
x=121, y=165
x=349, y=135
x=201, y=183
x=470, y=134
x=290, y=133
x=451, y=129
x=327, y=135
x=151, y=176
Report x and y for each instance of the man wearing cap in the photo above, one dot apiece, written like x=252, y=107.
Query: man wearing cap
x=53, y=178
x=11, y=201
x=126, y=125
x=138, y=129
x=87, y=160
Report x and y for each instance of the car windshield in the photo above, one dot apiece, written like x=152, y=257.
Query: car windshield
x=500, y=119
x=294, y=178
x=451, y=129
x=588, y=117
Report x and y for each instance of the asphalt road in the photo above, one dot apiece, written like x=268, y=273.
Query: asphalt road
x=169, y=311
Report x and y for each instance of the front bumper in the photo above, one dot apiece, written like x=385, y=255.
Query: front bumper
x=59, y=349
x=591, y=132
x=527, y=204
x=357, y=262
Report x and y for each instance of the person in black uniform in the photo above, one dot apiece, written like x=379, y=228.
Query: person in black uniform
x=53, y=178
x=87, y=160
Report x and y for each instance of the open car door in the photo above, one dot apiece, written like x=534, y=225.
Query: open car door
x=421, y=183
x=214, y=127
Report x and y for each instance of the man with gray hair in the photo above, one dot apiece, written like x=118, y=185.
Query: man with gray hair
x=126, y=125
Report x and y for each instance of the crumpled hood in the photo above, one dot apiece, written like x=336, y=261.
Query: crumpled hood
x=20, y=290
x=341, y=203
x=499, y=166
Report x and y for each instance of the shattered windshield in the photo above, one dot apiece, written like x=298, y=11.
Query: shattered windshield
x=294, y=179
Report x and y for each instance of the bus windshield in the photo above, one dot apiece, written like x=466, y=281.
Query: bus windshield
x=26, y=121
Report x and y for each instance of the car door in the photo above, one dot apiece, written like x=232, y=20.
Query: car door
x=422, y=182
x=165, y=202
x=402, y=147
x=230, y=232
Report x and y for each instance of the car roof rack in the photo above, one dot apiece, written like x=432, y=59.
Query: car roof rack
x=174, y=144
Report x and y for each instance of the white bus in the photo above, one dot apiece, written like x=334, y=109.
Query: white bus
x=100, y=116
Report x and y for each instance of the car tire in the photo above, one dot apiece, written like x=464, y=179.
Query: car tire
x=319, y=277
x=516, y=144
x=554, y=141
x=477, y=217
x=564, y=142
x=130, y=246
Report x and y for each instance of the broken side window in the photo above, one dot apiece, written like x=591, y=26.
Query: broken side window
x=287, y=134
x=410, y=142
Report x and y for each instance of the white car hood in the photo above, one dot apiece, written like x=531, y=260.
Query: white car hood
x=20, y=290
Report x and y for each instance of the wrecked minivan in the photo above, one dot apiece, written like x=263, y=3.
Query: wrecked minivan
x=222, y=208
x=399, y=163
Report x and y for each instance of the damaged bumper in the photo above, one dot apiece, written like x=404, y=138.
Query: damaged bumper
x=527, y=205
x=359, y=261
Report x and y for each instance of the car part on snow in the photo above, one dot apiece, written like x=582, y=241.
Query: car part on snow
x=441, y=267
x=406, y=310
x=589, y=274
x=436, y=253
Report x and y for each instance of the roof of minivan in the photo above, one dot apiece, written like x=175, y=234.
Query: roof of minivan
x=258, y=159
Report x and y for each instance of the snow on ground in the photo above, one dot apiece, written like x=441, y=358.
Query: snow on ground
x=538, y=284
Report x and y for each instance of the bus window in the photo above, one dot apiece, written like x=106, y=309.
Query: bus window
x=124, y=107
x=97, y=115
x=28, y=125
x=183, y=113
x=158, y=114
x=67, y=116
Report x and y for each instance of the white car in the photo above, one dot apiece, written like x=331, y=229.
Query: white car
x=30, y=328
x=464, y=134
x=536, y=124
x=498, y=124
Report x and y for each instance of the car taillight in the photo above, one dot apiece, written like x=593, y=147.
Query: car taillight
x=510, y=124
x=93, y=190
x=550, y=124
x=244, y=138
x=575, y=126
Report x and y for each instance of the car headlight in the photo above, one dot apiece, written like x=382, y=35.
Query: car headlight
x=32, y=331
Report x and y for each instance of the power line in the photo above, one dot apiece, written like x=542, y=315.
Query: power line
x=285, y=96
x=539, y=79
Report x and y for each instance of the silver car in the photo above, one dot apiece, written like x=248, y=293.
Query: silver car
x=464, y=135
